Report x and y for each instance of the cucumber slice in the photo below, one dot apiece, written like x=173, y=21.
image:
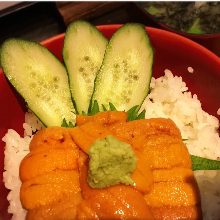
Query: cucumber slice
x=83, y=52
x=125, y=74
x=40, y=79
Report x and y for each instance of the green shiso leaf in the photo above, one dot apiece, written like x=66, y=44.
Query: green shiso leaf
x=141, y=115
x=132, y=113
x=95, y=108
x=200, y=163
x=66, y=125
x=70, y=125
x=104, y=108
x=84, y=113
x=112, y=107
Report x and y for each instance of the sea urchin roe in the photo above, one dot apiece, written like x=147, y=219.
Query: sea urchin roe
x=111, y=162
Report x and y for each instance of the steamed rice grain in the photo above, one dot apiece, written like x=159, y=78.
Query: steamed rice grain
x=15, y=150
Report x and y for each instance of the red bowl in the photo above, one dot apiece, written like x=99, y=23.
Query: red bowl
x=172, y=51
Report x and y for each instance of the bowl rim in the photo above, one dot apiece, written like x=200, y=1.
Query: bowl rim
x=175, y=35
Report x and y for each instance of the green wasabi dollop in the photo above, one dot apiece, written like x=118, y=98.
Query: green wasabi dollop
x=111, y=162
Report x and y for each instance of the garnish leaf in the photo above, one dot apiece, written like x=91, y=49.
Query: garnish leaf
x=84, y=113
x=66, y=125
x=95, y=108
x=112, y=107
x=70, y=125
x=104, y=108
x=141, y=115
x=200, y=163
x=132, y=113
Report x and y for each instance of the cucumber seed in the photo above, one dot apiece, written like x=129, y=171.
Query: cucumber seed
x=86, y=58
x=33, y=74
x=88, y=80
x=125, y=63
x=81, y=69
x=135, y=77
x=28, y=67
x=57, y=110
x=130, y=74
x=33, y=85
x=84, y=74
x=90, y=88
x=115, y=76
x=116, y=65
x=55, y=79
x=127, y=100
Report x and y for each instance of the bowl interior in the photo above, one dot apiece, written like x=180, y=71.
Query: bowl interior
x=171, y=51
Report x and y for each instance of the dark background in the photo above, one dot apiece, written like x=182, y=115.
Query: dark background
x=40, y=20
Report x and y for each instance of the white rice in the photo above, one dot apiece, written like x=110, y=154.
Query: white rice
x=169, y=98
x=16, y=149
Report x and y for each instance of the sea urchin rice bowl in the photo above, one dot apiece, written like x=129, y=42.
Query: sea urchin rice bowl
x=171, y=51
x=169, y=98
